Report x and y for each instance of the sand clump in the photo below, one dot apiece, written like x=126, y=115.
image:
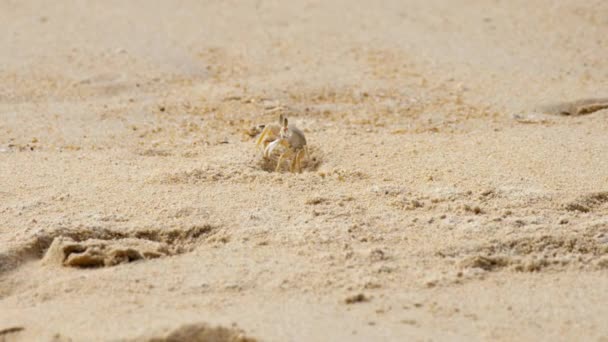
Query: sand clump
x=101, y=247
x=102, y=253
x=357, y=298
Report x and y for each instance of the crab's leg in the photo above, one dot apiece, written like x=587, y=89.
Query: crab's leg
x=285, y=154
x=299, y=157
x=262, y=136
x=295, y=163
x=306, y=150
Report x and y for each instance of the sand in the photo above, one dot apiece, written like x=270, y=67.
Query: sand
x=456, y=187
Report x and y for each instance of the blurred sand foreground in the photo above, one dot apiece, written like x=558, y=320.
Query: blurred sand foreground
x=448, y=195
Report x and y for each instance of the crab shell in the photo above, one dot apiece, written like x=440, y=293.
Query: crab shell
x=290, y=137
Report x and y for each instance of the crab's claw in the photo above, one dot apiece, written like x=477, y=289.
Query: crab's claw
x=268, y=150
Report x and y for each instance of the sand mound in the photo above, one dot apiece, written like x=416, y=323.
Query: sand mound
x=587, y=202
x=199, y=332
x=532, y=254
x=577, y=107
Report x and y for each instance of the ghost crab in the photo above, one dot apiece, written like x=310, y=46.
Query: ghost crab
x=288, y=136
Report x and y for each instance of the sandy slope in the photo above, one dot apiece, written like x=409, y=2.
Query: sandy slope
x=440, y=188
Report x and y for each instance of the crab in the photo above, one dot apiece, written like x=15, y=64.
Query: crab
x=288, y=136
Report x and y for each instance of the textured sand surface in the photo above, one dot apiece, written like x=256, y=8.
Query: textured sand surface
x=457, y=187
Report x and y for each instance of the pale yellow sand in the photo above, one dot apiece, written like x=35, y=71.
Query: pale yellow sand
x=440, y=204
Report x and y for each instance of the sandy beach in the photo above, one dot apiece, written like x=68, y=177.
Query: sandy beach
x=456, y=187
